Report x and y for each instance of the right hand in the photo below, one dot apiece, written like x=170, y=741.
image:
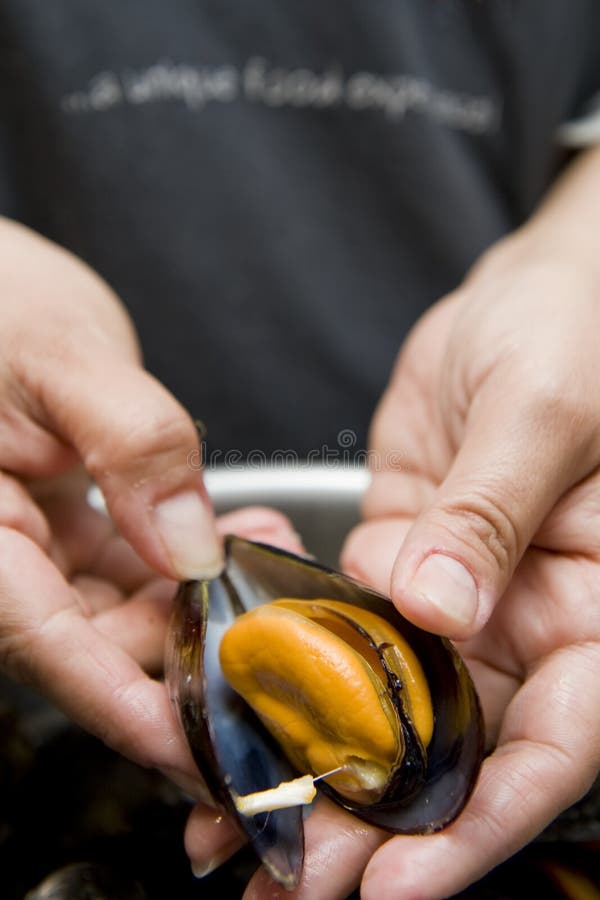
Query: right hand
x=82, y=611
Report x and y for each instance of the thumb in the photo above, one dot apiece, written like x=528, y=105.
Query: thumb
x=142, y=449
x=514, y=462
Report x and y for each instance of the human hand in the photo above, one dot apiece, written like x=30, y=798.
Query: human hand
x=82, y=610
x=489, y=530
x=494, y=407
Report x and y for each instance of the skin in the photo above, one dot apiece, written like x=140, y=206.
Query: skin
x=493, y=409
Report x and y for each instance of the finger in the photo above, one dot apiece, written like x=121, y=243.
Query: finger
x=496, y=688
x=262, y=523
x=46, y=641
x=19, y=511
x=84, y=538
x=571, y=526
x=210, y=839
x=338, y=847
x=370, y=550
x=78, y=531
x=138, y=444
x=138, y=625
x=96, y=594
x=548, y=758
x=401, y=491
x=516, y=459
x=140, y=457
x=118, y=563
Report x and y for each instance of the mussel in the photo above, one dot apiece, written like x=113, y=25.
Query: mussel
x=334, y=678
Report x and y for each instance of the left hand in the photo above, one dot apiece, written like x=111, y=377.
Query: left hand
x=111, y=634
x=495, y=408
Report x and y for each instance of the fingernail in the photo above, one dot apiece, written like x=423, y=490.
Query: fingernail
x=201, y=870
x=188, y=533
x=193, y=787
x=447, y=585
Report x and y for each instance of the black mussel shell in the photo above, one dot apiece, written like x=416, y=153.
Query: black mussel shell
x=238, y=756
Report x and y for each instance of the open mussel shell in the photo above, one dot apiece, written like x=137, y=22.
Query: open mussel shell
x=238, y=756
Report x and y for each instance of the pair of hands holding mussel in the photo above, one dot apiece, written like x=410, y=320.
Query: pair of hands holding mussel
x=490, y=530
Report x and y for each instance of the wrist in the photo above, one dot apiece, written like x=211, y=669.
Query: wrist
x=562, y=234
x=540, y=248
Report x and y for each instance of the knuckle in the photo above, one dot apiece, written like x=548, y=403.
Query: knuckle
x=166, y=434
x=151, y=442
x=486, y=528
x=20, y=513
x=556, y=398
